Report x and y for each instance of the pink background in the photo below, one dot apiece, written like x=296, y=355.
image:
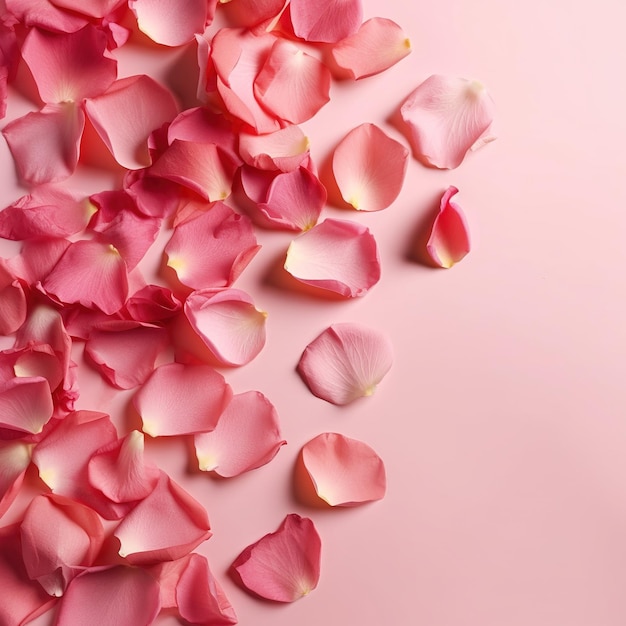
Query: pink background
x=502, y=423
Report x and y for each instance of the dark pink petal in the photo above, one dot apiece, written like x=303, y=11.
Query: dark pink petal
x=127, y=113
x=212, y=249
x=326, y=20
x=14, y=460
x=369, y=167
x=449, y=238
x=293, y=85
x=164, y=526
x=446, y=117
x=59, y=538
x=119, y=471
x=37, y=259
x=181, y=399
x=92, y=274
x=285, y=565
x=13, y=305
x=126, y=358
x=25, y=405
x=69, y=67
x=92, y=8
x=44, y=14
x=253, y=12
x=336, y=255
x=247, y=436
x=228, y=323
x=124, y=596
x=45, y=145
x=284, y=150
x=344, y=471
x=378, y=44
x=152, y=303
x=153, y=196
x=345, y=362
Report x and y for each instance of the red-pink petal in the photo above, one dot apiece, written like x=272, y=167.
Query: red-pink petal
x=252, y=12
x=212, y=248
x=13, y=305
x=284, y=150
x=378, y=44
x=127, y=113
x=25, y=405
x=285, y=565
x=44, y=14
x=449, y=238
x=344, y=471
x=247, y=436
x=152, y=304
x=445, y=117
x=164, y=526
x=293, y=85
x=37, y=259
x=336, y=255
x=92, y=8
x=369, y=167
x=345, y=362
x=325, y=20
x=14, y=460
x=181, y=399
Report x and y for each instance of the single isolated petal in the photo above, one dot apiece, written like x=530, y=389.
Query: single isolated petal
x=369, y=167
x=228, y=323
x=378, y=44
x=344, y=471
x=336, y=255
x=345, y=362
x=247, y=436
x=285, y=150
x=445, y=117
x=181, y=399
x=326, y=21
x=283, y=566
x=13, y=306
x=25, y=405
x=449, y=238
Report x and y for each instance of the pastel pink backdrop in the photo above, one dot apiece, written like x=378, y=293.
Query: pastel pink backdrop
x=502, y=423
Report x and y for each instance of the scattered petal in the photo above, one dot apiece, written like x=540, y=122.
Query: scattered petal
x=44, y=14
x=25, y=405
x=13, y=305
x=152, y=304
x=284, y=150
x=14, y=460
x=326, y=21
x=251, y=13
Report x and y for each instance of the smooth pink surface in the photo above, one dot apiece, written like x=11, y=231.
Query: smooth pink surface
x=502, y=422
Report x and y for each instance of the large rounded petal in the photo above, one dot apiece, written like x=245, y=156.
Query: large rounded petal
x=325, y=20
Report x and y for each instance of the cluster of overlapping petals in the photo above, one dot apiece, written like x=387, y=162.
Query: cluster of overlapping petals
x=197, y=182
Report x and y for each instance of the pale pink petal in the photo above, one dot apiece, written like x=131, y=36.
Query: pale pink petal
x=43, y=14
x=336, y=255
x=344, y=471
x=326, y=20
x=212, y=249
x=228, y=323
x=285, y=565
x=284, y=150
x=14, y=460
x=164, y=526
x=126, y=358
x=345, y=362
x=25, y=405
x=124, y=596
x=378, y=44
x=60, y=537
x=119, y=471
x=152, y=304
x=369, y=167
x=247, y=436
x=170, y=22
x=69, y=67
x=127, y=113
x=445, y=117
x=449, y=238
x=45, y=145
x=13, y=306
x=92, y=274
x=292, y=84
x=181, y=399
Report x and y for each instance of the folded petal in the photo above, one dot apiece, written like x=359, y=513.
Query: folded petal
x=376, y=46
x=250, y=13
x=127, y=113
x=37, y=259
x=44, y=14
x=344, y=471
x=181, y=399
x=445, y=117
x=14, y=460
x=449, y=238
x=25, y=405
x=212, y=248
x=45, y=145
x=247, y=436
x=152, y=304
x=325, y=20
x=164, y=526
x=285, y=150
x=292, y=84
x=92, y=8
x=336, y=255
x=285, y=565
x=13, y=306
x=345, y=362
x=369, y=167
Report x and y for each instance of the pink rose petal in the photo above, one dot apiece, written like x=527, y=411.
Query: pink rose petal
x=37, y=259
x=285, y=150
x=14, y=460
x=336, y=255
x=445, y=117
x=92, y=8
x=25, y=405
x=250, y=13
x=152, y=304
x=325, y=20
x=13, y=305
x=44, y=14
x=345, y=362
x=449, y=238
x=369, y=167
x=247, y=436
x=181, y=399
x=344, y=471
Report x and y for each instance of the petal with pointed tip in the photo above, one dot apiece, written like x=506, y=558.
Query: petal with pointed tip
x=326, y=21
